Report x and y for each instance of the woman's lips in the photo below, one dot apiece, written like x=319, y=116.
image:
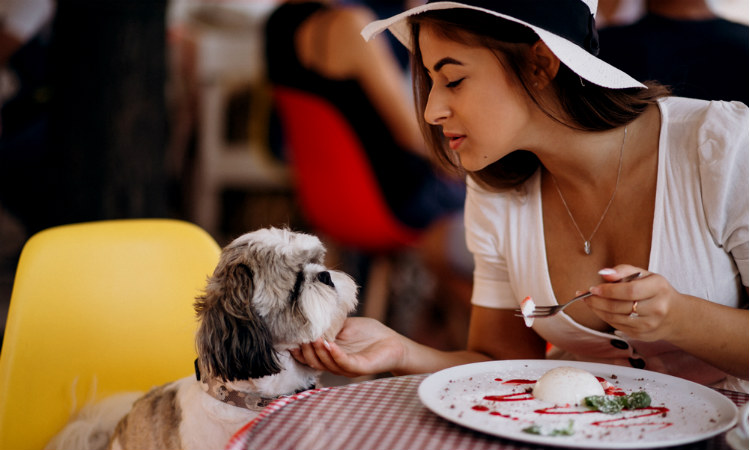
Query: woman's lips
x=455, y=140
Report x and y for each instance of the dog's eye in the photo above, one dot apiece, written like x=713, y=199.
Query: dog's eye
x=325, y=278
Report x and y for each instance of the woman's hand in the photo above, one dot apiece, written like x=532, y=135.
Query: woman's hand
x=364, y=346
x=649, y=309
x=643, y=308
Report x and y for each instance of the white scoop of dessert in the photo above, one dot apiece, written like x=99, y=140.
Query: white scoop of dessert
x=566, y=385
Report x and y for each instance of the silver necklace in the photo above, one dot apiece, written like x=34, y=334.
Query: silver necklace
x=587, y=242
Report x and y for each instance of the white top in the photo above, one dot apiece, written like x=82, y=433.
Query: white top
x=699, y=241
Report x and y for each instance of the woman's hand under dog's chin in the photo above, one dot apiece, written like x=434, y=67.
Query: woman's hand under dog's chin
x=335, y=329
x=364, y=346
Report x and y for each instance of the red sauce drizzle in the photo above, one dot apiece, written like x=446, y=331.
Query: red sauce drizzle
x=561, y=410
x=515, y=397
x=619, y=422
x=506, y=416
x=647, y=412
x=612, y=390
x=519, y=381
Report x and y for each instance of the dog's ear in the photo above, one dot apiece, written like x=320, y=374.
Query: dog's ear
x=233, y=342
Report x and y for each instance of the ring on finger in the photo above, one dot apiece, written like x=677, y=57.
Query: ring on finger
x=634, y=310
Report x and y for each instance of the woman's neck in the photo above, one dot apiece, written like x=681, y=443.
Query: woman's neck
x=582, y=160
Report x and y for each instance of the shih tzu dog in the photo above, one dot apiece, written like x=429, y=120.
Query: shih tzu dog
x=269, y=293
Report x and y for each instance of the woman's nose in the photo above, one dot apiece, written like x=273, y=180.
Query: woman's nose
x=436, y=110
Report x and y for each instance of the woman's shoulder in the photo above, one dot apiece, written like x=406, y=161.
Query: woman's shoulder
x=707, y=144
x=714, y=129
x=704, y=113
x=519, y=194
x=492, y=207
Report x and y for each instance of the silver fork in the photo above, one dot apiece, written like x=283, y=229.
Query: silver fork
x=546, y=311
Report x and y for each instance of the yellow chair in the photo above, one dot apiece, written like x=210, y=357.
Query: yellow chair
x=98, y=308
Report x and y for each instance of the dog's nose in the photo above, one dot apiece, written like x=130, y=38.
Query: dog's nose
x=325, y=278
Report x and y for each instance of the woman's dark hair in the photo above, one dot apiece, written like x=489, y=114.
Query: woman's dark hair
x=579, y=104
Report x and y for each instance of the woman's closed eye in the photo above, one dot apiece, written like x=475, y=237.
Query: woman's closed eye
x=452, y=84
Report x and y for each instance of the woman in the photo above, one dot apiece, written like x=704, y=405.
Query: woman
x=578, y=176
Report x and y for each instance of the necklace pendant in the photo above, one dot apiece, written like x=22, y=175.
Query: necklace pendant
x=587, y=247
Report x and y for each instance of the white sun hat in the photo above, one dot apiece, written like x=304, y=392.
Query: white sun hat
x=566, y=26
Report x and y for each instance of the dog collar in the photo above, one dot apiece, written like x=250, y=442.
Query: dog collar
x=223, y=393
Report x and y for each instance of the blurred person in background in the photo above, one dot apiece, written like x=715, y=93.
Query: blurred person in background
x=387, y=8
x=316, y=47
x=618, y=12
x=685, y=45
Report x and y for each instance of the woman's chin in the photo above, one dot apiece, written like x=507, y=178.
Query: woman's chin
x=471, y=164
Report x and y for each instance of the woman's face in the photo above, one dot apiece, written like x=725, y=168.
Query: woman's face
x=482, y=112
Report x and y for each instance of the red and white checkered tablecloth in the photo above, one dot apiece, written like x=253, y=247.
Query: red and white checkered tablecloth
x=383, y=414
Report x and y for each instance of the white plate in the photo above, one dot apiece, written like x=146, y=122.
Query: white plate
x=694, y=413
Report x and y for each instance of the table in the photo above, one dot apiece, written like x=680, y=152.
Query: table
x=383, y=414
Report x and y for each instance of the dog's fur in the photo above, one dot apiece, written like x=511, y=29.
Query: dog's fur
x=270, y=292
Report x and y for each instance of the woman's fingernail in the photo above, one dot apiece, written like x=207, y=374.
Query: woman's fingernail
x=608, y=271
x=327, y=345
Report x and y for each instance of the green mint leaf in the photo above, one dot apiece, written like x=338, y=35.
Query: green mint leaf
x=565, y=431
x=610, y=404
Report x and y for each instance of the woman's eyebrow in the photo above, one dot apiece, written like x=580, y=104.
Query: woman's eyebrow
x=447, y=60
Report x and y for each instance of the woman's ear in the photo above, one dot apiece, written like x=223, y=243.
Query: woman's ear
x=544, y=64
